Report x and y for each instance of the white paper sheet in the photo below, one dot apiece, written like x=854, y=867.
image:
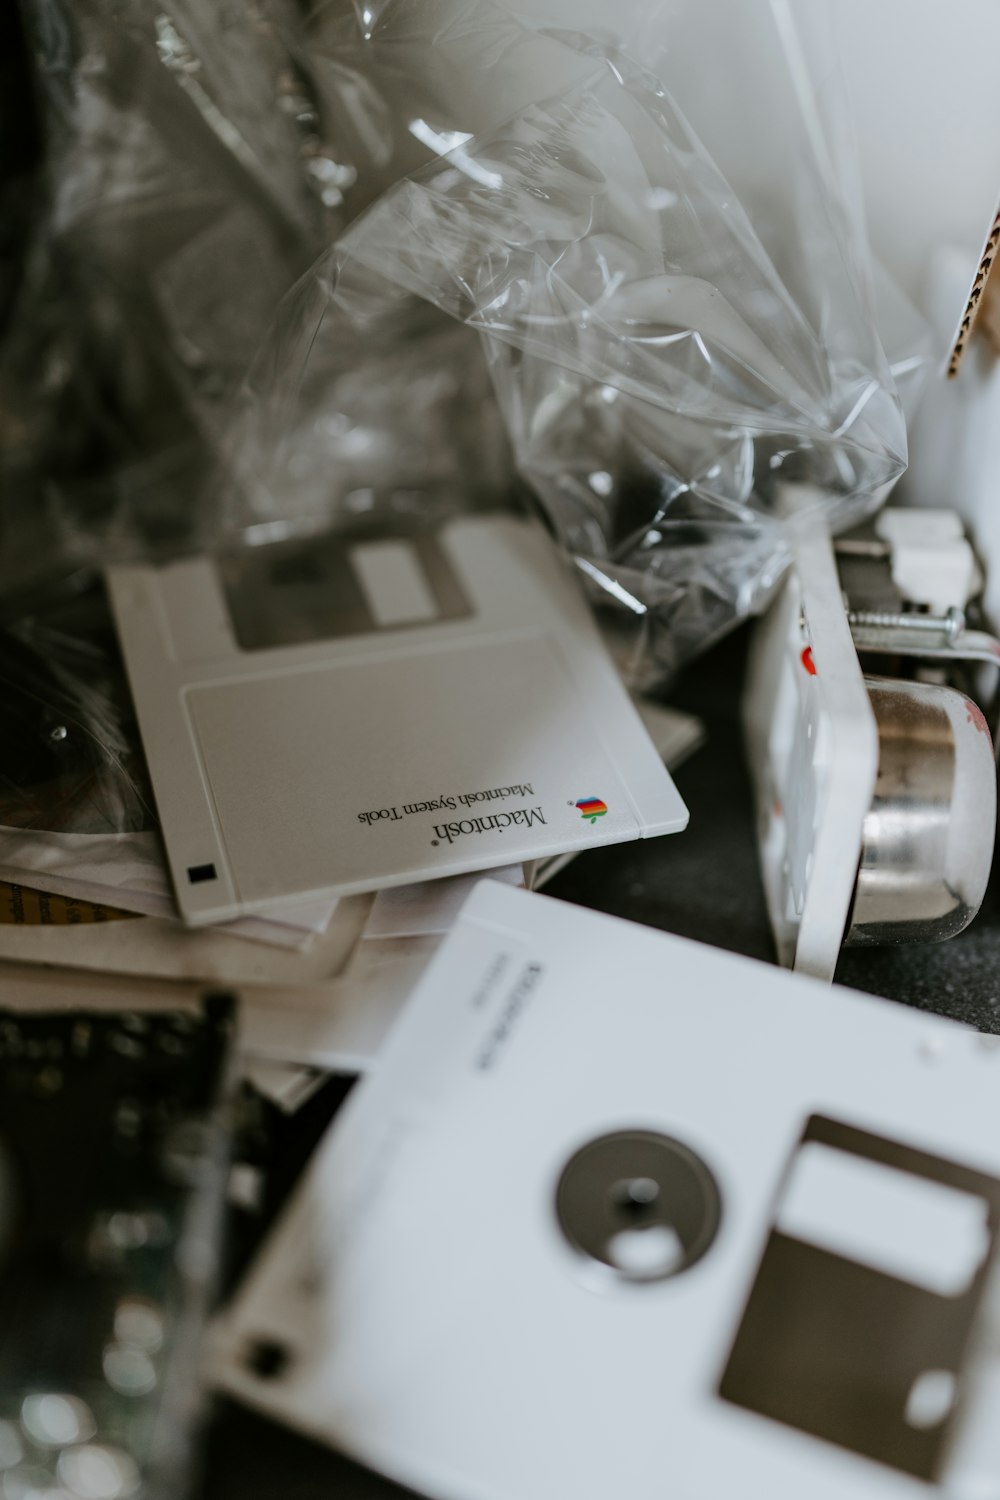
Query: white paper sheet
x=127, y=870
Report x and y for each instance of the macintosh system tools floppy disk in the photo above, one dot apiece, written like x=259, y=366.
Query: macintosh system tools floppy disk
x=341, y=714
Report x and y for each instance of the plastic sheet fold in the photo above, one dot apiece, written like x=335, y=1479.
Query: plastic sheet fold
x=657, y=373
x=634, y=278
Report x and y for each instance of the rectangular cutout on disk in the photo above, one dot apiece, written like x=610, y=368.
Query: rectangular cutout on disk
x=393, y=583
x=911, y=1227
x=868, y=1288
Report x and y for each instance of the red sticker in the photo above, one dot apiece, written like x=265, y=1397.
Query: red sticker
x=977, y=717
x=807, y=660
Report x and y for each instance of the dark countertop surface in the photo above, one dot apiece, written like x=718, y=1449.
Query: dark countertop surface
x=703, y=884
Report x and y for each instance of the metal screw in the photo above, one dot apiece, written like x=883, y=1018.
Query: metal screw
x=950, y=625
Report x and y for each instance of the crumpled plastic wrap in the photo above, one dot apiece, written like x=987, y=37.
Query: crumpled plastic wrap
x=184, y=185
x=534, y=259
x=664, y=353
x=70, y=756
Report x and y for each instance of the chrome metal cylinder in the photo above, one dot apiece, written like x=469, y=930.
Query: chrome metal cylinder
x=927, y=845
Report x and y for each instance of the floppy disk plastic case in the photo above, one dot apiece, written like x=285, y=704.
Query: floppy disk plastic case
x=346, y=713
x=617, y=1213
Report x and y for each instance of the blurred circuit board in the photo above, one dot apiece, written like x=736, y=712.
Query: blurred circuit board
x=113, y=1161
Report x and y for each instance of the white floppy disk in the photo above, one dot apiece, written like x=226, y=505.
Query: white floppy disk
x=340, y=714
x=619, y=1214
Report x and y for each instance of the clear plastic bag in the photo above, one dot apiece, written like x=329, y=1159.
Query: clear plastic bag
x=70, y=755
x=657, y=372
x=536, y=258
x=185, y=183
x=397, y=417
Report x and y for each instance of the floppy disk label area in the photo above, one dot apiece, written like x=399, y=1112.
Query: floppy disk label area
x=355, y=713
x=619, y=1213
x=396, y=827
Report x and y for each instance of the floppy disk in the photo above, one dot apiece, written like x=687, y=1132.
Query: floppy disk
x=346, y=713
x=619, y=1214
